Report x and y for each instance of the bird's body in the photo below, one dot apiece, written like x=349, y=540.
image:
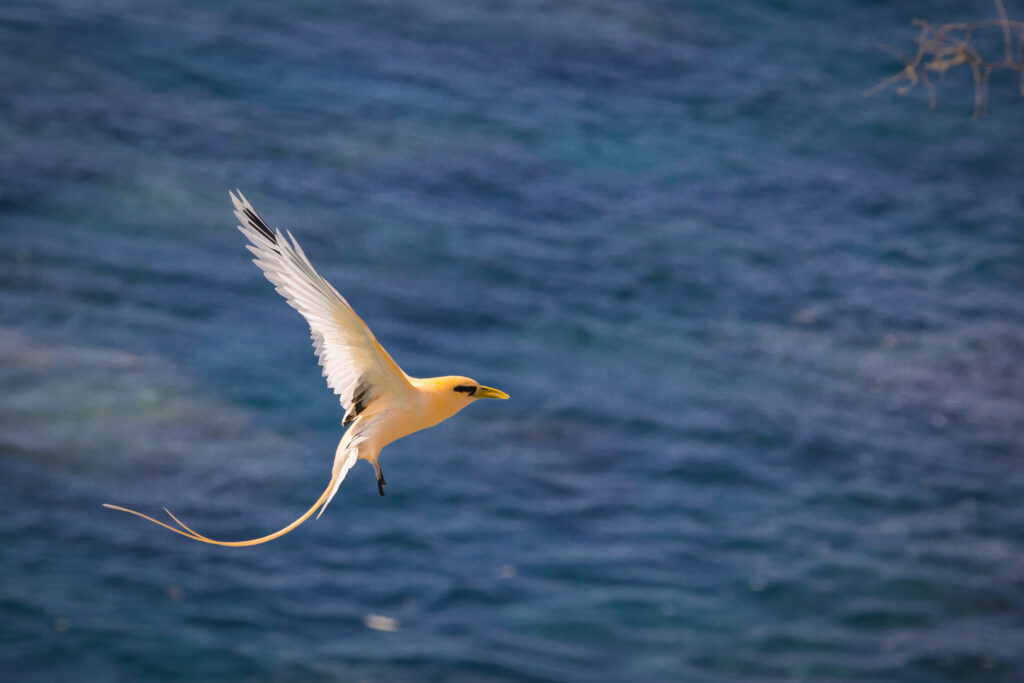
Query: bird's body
x=425, y=403
x=382, y=404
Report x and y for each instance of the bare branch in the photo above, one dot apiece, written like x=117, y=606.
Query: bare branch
x=947, y=46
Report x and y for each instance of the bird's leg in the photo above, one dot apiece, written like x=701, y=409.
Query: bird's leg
x=380, y=478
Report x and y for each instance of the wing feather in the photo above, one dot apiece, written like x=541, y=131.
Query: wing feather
x=354, y=363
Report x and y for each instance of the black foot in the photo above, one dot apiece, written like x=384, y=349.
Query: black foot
x=381, y=483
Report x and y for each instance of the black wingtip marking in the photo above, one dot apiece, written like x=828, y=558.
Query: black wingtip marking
x=360, y=399
x=359, y=405
x=257, y=223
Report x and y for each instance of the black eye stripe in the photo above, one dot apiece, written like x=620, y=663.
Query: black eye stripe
x=467, y=388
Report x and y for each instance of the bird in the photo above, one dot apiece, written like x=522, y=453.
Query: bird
x=381, y=402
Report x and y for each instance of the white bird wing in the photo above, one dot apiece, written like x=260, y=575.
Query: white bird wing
x=354, y=363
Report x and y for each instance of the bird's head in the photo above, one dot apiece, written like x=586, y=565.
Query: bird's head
x=468, y=389
x=448, y=395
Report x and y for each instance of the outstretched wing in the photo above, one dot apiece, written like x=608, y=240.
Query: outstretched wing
x=354, y=363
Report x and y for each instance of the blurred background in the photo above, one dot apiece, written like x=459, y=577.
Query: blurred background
x=763, y=337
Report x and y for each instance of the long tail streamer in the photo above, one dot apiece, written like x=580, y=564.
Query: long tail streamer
x=196, y=536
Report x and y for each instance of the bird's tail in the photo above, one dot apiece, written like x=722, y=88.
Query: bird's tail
x=343, y=461
x=325, y=497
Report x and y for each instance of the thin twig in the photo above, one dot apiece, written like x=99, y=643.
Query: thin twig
x=1006, y=29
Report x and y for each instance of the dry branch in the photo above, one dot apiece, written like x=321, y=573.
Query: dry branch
x=947, y=46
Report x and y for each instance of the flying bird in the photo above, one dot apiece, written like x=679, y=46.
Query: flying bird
x=381, y=402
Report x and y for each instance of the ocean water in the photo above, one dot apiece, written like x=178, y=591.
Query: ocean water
x=763, y=336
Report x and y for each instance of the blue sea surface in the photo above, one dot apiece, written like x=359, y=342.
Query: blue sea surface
x=764, y=338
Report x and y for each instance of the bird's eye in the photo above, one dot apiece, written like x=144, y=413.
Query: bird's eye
x=467, y=388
